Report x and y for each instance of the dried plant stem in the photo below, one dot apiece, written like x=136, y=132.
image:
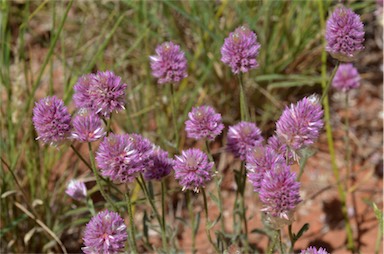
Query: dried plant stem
x=132, y=235
x=207, y=230
x=93, y=166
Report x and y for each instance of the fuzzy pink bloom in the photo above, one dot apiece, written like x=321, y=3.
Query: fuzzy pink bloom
x=87, y=127
x=346, y=78
x=76, y=190
x=313, y=250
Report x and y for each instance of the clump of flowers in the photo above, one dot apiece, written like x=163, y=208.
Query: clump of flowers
x=240, y=50
x=346, y=78
x=101, y=93
x=51, y=120
x=123, y=157
x=279, y=194
x=242, y=137
x=203, y=123
x=87, y=127
x=313, y=250
x=159, y=165
x=76, y=190
x=280, y=148
x=169, y=65
x=192, y=169
x=105, y=233
x=300, y=124
x=344, y=34
x=260, y=160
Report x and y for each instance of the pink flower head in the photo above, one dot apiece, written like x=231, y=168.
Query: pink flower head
x=313, y=250
x=76, y=190
x=203, y=123
x=344, y=34
x=300, y=124
x=105, y=233
x=240, y=50
x=242, y=137
x=346, y=78
x=280, y=148
x=192, y=169
x=87, y=127
x=169, y=65
x=159, y=165
x=101, y=93
x=51, y=120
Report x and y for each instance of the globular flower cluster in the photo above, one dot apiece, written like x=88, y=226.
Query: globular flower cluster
x=300, y=124
x=279, y=194
x=87, y=127
x=280, y=148
x=240, y=50
x=313, y=250
x=242, y=137
x=101, y=93
x=76, y=190
x=169, y=65
x=123, y=157
x=105, y=233
x=159, y=165
x=344, y=34
x=192, y=169
x=203, y=123
x=51, y=120
x=346, y=78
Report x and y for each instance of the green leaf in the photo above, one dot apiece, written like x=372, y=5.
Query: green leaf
x=303, y=229
x=213, y=223
x=214, y=198
x=197, y=224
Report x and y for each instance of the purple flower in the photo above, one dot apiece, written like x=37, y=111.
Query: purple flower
x=279, y=194
x=87, y=127
x=300, y=124
x=101, y=93
x=105, y=233
x=203, y=123
x=242, y=137
x=280, y=148
x=123, y=157
x=240, y=50
x=313, y=250
x=192, y=169
x=346, y=78
x=344, y=34
x=159, y=165
x=169, y=64
x=76, y=190
x=260, y=160
x=51, y=120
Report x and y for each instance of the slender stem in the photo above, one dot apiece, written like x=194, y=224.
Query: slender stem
x=347, y=144
x=131, y=223
x=163, y=196
x=244, y=114
x=207, y=230
x=326, y=89
x=242, y=205
x=270, y=251
x=81, y=157
x=93, y=166
x=217, y=181
x=109, y=122
x=280, y=243
x=154, y=209
x=192, y=218
x=291, y=238
x=174, y=117
x=90, y=205
x=328, y=128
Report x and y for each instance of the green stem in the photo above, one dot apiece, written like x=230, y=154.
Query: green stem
x=242, y=205
x=192, y=218
x=270, y=251
x=326, y=89
x=90, y=205
x=348, y=150
x=81, y=157
x=207, y=230
x=291, y=238
x=244, y=114
x=327, y=117
x=217, y=181
x=154, y=209
x=93, y=166
x=109, y=122
x=163, y=196
x=174, y=117
x=280, y=243
x=131, y=223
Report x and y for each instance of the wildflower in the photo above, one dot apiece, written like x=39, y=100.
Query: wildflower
x=280, y=148
x=169, y=64
x=105, y=233
x=260, y=160
x=279, y=194
x=101, y=93
x=88, y=127
x=192, y=169
x=159, y=165
x=51, y=120
x=240, y=50
x=242, y=137
x=123, y=157
x=344, y=34
x=300, y=124
x=203, y=123
x=76, y=190
x=313, y=250
x=346, y=78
